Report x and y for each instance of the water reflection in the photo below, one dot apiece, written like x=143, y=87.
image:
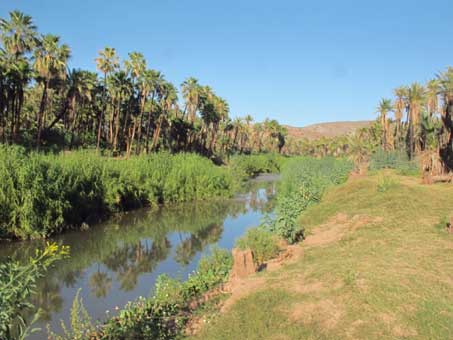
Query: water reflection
x=118, y=261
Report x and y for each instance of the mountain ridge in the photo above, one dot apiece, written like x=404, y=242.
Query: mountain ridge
x=326, y=129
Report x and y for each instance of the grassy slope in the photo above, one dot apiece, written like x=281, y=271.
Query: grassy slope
x=391, y=278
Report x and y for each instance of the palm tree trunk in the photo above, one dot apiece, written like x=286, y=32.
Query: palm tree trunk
x=148, y=126
x=20, y=104
x=157, y=132
x=98, y=140
x=42, y=108
x=131, y=138
x=117, y=128
x=139, y=132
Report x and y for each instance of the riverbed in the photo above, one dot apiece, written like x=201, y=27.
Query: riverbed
x=117, y=261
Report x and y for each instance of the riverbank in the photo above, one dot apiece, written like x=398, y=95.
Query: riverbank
x=120, y=259
x=376, y=264
x=166, y=313
x=43, y=195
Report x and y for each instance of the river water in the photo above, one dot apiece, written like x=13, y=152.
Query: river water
x=117, y=261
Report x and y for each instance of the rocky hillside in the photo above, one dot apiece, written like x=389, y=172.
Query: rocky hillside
x=331, y=129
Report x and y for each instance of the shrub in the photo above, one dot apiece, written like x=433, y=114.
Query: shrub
x=248, y=166
x=17, y=284
x=303, y=182
x=262, y=243
x=212, y=270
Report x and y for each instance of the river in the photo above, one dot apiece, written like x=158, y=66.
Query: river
x=119, y=260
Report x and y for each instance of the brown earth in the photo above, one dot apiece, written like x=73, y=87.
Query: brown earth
x=328, y=130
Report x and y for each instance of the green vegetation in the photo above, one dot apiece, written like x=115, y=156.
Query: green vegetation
x=262, y=243
x=128, y=108
x=17, y=285
x=81, y=326
x=44, y=194
x=303, y=183
x=427, y=130
x=424, y=137
x=390, y=268
x=398, y=160
x=248, y=166
x=386, y=183
x=164, y=315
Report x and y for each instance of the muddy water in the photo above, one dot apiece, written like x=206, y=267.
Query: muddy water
x=119, y=260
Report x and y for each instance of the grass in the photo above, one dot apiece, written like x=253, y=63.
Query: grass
x=387, y=279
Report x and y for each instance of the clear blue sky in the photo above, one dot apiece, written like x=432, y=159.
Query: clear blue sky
x=300, y=62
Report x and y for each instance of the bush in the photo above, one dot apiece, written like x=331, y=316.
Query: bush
x=249, y=166
x=303, y=183
x=17, y=284
x=262, y=243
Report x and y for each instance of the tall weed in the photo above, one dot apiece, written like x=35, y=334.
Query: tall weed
x=41, y=195
x=303, y=182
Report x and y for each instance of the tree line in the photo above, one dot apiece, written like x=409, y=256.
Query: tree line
x=125, y=107
x=417, y=122
x=422, y=122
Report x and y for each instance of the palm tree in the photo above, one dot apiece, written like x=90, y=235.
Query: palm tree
x=107, y=62
x=50, y=64
x=208, y=113
x=385, y=106
x=432, y=92
x=80, y=87
x=19, y=36
x=18, y=33
x=257, y=136
x=120, y=88
x=155, y=81
x=222, y=110
x=136, y=66
x=191, y=93
x=416, y=98
x=399, y=107
x=16, y=74
x=168, y=98
x=446, y=92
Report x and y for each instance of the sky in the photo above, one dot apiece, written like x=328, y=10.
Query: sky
x=298, y=61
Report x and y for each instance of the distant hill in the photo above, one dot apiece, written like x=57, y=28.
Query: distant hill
x=331, y=129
